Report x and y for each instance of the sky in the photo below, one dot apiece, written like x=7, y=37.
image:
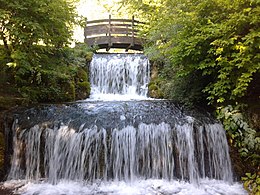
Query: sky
x=93, y=10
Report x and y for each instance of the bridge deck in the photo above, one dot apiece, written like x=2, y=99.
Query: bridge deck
x=113, y=33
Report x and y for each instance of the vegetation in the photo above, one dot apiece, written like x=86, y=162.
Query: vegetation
x=35, y=59
x=53, y=76
x=36, y=64
x=252, y=183
x=210, y=54
x=27, y=22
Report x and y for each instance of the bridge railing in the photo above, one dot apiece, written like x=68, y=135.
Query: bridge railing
x=116, y=33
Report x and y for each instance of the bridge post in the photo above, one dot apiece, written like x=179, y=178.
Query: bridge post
x=109, y=34
x=132, y=33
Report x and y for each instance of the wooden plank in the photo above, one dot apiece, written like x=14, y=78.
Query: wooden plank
x=112, y=25
x=105, y=40
x=112, y=35
x=121, y=25
x=97, y=27
x=112, y=20
x=101, y=30
x=126, y=31
x=106, y=27
x=96, y=30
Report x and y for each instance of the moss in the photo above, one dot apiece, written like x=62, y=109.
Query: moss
x=152, y=87
x=7, y=102
x=155, y=86
x=82, y=75
x=68, y=91
x=82, y=84
x=155, y=91
x=89, y=56
x=82, y=90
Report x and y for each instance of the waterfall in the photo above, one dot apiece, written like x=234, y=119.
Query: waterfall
x=147, y=151
x=119, y=147
x=126, y=75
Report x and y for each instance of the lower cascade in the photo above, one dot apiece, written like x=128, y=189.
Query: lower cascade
x=118, y=147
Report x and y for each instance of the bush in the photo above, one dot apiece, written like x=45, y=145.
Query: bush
x=252, y=183
x=246, y=140
x=49, y=74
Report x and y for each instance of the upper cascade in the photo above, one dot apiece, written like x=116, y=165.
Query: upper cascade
x=119, y=76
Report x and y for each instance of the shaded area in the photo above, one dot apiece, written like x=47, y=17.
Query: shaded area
x=5, y=191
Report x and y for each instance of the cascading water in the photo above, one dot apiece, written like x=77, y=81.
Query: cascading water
x=119, y=76
x=119, y=147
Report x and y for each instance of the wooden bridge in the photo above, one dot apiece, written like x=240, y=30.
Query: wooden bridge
x=113, y=33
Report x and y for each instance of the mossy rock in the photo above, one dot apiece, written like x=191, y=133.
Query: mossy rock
x=82, y=84
x=67, y=91
x=153, y=87
x=89, y=56
x=82, y=75
x=155, y=91
x=82, y=90
x=59, y=93
x=7, y=102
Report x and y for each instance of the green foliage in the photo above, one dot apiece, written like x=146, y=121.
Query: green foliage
x=47, y=72
x=27, y=22
x=154, y=89
x=82, y=54
x=55, y=75
x=186, y=89
x=246, y=140
x=239, y=132
x=252, y=183
x=220, y=38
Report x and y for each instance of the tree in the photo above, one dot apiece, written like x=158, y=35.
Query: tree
x=216, y=40
x=35, y=57
x=24, y=23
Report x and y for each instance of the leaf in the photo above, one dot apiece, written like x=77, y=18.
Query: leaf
x=11, y=64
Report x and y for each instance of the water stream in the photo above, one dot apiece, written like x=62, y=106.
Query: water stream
x=119, y=76
x=134, y=145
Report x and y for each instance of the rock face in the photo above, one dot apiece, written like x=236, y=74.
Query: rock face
x=5, y=191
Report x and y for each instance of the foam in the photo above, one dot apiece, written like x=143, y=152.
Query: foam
x=137, y=187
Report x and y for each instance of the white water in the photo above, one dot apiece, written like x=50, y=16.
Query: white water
x=119, y=76
x=137, y=187
x=139, y=160
x=144, y=152
x=150, y=159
